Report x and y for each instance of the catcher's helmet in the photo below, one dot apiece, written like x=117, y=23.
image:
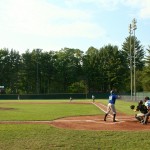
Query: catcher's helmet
x=141, y=102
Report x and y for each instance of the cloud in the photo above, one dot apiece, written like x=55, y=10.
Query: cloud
x=46, y=19
x=142, y=7
x=145, y=9
x=108, y=5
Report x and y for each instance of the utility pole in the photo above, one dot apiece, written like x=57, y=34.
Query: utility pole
x=134, y=27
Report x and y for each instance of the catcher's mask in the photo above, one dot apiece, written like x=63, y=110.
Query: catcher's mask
x=140, y=102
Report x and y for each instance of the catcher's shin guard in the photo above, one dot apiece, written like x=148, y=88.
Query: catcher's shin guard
x=138, y=118
x=114, y=118
x=105, y=117
x=145, y=120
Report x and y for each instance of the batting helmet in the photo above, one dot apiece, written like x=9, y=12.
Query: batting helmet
x=112, y=91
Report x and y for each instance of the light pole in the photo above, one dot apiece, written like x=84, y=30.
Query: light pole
x=131, y=86
x=134, y=27
x=37, y=70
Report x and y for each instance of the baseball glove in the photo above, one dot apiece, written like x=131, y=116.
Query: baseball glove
x=132, y=106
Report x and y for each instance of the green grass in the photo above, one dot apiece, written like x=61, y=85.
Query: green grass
x=46, y=137
x=37, y=110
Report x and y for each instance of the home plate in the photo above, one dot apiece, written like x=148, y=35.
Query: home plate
x=91, y=121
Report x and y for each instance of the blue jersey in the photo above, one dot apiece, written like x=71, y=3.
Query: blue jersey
x=112, y=98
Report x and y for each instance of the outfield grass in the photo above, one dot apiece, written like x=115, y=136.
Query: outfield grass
x=43, y=110
x=45, y=137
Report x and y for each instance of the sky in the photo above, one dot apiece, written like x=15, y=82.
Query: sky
x=79, y=24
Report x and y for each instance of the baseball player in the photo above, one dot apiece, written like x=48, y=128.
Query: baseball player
x=143, y=110
x=93, y=98
x=147, y=104
x=70, y=99
x=147, y=101
x=111, y=105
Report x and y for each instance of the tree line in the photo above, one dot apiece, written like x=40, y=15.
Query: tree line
x=71, y=70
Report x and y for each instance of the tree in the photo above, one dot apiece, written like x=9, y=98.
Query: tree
x=139, y=58
x=145, y=77
x=113, y=68
x=68, y=67
x=139, y=52
x=10, y=63
x=15, y=65
x=4, y=67
x=90, y=68
x=28, y=73
x=47, y=71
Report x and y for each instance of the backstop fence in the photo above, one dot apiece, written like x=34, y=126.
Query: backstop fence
x=139, y=96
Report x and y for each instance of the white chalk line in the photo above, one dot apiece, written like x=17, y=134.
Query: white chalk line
x=101, y=108
x=63, y=120
x=97, y=121
x=118, y=120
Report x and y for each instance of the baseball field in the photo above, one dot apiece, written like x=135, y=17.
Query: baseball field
x=65, y=125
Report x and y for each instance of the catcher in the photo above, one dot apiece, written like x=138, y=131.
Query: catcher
x=142, y=110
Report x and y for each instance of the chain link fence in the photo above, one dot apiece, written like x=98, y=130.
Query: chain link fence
x=139, y=96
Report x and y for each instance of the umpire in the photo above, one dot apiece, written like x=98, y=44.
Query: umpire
x=147, y=104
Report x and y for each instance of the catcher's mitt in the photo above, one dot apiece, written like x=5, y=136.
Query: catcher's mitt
x=132, y=106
